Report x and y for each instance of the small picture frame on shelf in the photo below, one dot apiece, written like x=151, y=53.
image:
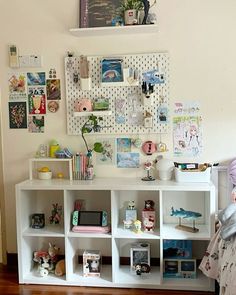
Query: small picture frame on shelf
x=179, y=268
x=37, y=220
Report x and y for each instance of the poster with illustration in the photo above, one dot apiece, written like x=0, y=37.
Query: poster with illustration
x=17, y=115
x=107, y=157
x=128, y=160
x=17, y=86
x=123, y=145
x=187, y=136
x=38, y=78
x=37, y=100
x=36, y=124
x=53, y=89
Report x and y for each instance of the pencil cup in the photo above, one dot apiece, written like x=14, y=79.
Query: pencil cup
x=85, y=83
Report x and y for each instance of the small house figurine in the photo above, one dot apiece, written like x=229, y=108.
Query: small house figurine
x=148, y=216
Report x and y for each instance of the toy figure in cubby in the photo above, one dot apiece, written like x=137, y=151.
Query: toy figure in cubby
x=91, y=263
x=137, y=226
x=148, y=216
x=55, y=218
x=46, y=259
x=130, y=215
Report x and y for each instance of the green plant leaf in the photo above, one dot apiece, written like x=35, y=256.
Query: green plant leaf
x=98, y=147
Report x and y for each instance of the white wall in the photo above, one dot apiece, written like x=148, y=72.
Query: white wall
x=199, y=35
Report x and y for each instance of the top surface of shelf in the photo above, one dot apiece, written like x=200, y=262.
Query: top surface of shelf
x=114, y=184
x=98, y=31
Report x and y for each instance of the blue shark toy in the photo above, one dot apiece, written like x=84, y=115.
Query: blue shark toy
x=181, y=213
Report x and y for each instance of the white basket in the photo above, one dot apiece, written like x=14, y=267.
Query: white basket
x=193, y=176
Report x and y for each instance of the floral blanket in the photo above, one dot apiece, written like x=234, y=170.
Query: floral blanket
x=219, y=262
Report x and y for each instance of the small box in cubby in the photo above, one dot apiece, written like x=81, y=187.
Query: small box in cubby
x=91, y=263
x=177, y=249
x=140, y=256
x=179, y=268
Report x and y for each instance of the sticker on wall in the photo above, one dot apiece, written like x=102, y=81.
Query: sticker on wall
x=17, y=86
x=36, y=124
x=52, y=74
x=128, y=160
x=123, y=145
x=53, y=89
x=162, y=114
x=187, y=131
x=37, y=78
x=37, y=100
x=53, y=106
x=107, y=157
x=17, y=115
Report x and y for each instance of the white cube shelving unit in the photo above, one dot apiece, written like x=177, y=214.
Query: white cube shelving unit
x=112, y=195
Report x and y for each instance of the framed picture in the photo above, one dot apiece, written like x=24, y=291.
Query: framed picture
x=98, y=13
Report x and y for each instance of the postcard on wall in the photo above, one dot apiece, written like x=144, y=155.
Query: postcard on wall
x=189, y=108
x=17, y=86
x=128, y=160
x=36, y=124
x=53, y=89
x=123, y=145
x=17, y=115
x=162, y=114
x=38, y=78
x=187, y=136
x=37, y=100
x=120, y=110
x=107, y=157
x=112, y=70
x=98, y=13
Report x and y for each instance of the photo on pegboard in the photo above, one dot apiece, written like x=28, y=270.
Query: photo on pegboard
x=112, y=70
x=17, y=115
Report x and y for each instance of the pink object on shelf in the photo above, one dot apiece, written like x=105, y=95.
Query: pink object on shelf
x=91, y=229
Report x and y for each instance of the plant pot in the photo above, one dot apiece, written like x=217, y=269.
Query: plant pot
x=130, y=16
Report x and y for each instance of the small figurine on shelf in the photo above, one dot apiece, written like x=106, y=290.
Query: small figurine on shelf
x=55, y=218
x=137, y=226
x=147, y=167
x=130, y=215
x=128, y=224
x=148, y=216
x=138, y=269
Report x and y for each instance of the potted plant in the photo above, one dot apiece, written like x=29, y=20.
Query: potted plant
x=92, y=124
x=129, y=9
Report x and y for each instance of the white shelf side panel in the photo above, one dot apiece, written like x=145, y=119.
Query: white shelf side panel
x=141, y=63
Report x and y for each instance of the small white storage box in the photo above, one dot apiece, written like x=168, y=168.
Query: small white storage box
x=193, y=176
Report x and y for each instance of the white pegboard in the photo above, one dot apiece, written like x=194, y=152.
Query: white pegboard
x=141, y=63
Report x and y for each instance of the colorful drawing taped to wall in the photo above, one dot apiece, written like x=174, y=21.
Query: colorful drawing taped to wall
x=120, y=110
x=128, y=160
x=38, y=78
x=123, y=145
x=17, y=115
x=53, y=89
x=37, y=100
x=17, y=86
x=36, y=124
x=107, y=155
x=187, y=135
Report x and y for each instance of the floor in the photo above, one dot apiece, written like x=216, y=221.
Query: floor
x=9, y=285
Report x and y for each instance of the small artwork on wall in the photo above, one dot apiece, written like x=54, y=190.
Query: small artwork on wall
x=53, y=89
x=37, y=100
x=17, y=115
x=123, y=145
x=128, y=160
x=36, y=124
x=107, y=157
x=17, y=86
x=36, y=78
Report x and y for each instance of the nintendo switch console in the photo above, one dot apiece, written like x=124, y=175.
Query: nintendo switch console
x=89, y=218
